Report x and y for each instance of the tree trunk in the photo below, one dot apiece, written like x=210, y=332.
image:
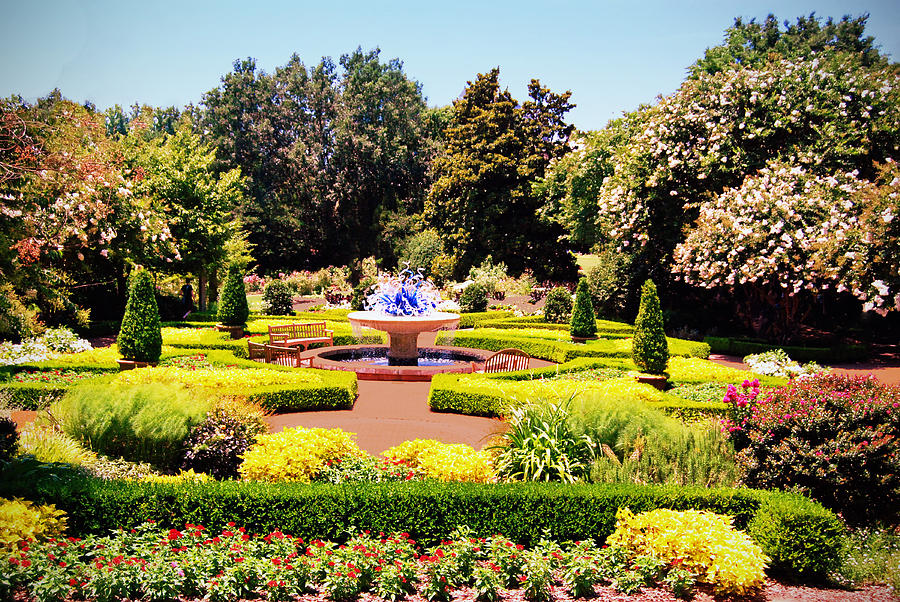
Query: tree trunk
x=202, y=292
x=214, y=284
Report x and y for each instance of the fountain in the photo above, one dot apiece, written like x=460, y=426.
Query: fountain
x=403, y=306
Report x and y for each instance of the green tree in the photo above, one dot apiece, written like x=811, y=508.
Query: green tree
x=649, y=347
x=233, y=308
x=198, y=201
x=481, y=200
x=583, y=324
x=558, y=305
x=140, y=337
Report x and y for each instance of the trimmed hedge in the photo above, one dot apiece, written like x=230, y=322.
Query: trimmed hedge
x=559, y=351
x=742, y=348
x=474, y=319
x=802, y=538
x=32, y=396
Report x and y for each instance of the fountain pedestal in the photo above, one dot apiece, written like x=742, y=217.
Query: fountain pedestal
x=403, y=331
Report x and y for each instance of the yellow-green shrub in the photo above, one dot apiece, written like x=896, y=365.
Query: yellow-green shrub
x=295, y=454
x=705, y=543
x=444, y=461
x=21, y=520
x=693, y=369
x=229, y=379
x=184, y=476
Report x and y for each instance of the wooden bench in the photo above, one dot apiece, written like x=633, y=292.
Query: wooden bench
x=275, y=354
x=300, y=335
x=505, y=360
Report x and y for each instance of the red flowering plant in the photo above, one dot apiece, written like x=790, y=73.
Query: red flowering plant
x=835, y=438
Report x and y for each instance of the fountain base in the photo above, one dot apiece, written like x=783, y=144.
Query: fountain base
x=375, y=363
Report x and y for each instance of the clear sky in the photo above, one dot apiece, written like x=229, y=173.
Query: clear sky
x=612, y=54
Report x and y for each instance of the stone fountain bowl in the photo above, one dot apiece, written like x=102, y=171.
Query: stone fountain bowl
x=403, y=324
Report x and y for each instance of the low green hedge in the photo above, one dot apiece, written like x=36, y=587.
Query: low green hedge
x=32, y=396
x=742, y=348
x=473, y=319
x=802, y=538
x=607, y=329
x=338, y=393
x=559, y=350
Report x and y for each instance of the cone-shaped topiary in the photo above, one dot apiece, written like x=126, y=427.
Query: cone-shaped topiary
x=233, y=308
x=583, y=324
x=649, y=348
x=140, y=338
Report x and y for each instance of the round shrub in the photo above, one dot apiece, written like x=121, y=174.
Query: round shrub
x=215, y=447
x=703, y=543
x=583, y=323
x=443, y=461
x=233, y=308
x=361, y=292
x=140, y=337
x=442, y=268
x=834, y=438
x=277, y=299
x=649, y=348
x=474, y=299
x=558, y=305
x=295, y=454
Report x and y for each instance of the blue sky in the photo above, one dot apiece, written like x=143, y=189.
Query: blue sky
x=613, y=55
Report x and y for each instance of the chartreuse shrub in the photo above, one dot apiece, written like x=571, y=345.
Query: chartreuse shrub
x=141, y=423
x=233, y=308
x=22, y=520
x=558, y=305
x=704, y=543
x=583, y=323
x=443, y=461
x=295, y=454
x=835, y=438
x=650, y=350
x=139, y=337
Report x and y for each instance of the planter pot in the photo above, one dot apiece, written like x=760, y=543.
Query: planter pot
x=660, y=382
x=132, y=364
x=583, y=339
x=236, y=332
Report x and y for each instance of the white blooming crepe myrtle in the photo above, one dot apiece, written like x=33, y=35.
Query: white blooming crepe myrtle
x=827, y=116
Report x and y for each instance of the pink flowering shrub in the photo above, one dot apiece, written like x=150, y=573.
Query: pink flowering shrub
x=835, y=438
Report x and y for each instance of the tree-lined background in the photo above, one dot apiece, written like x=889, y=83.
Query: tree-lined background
x=765, y=187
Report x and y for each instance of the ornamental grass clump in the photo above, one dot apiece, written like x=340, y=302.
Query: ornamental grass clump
x=583, y=324
x=140, y=423
x=703, y=543
x=295, y=454
x=140, y=337
x=650, y=350
x=233, y=307
x=834, y=438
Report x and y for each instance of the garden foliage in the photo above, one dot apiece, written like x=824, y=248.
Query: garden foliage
x=650, y=350
x=443, y=461
x=233, y=308
x=558, y=305
x=22, y=520
x=834, y=438
x=277, y=299
x=474, y=299
x=703, y=543
x=216, y=445
x=583, y=323
x=295, y=454
x=140, y=338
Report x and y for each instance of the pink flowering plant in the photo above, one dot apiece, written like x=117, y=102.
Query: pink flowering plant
x=835, y=438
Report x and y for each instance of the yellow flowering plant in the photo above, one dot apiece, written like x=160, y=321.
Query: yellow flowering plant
x=295, y=454
x=444, y=461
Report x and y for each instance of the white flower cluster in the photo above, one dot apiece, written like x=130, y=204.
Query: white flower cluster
x=53, y=342
x=777, y=363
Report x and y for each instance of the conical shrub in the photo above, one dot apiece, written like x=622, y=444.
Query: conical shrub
x=140, y=338
x=649, y=349
x=233, y=308
x=583, y=324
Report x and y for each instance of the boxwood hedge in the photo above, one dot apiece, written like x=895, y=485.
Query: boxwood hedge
x=841, y=353
x=802, y=538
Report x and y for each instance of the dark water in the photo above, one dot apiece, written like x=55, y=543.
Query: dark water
x=377, y=356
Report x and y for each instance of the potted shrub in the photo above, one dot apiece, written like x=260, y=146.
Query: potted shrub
x=583, y=326
x=649, y=347
x=140, y=338
x=233, y=308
